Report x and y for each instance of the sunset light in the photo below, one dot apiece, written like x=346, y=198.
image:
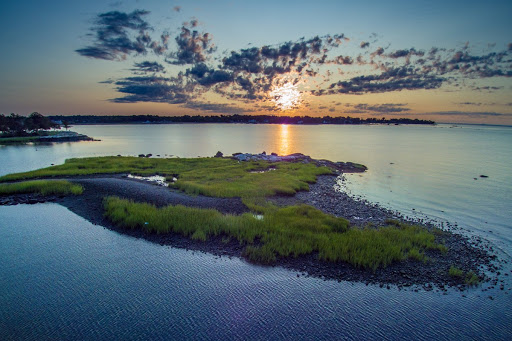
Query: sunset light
x=286, y=96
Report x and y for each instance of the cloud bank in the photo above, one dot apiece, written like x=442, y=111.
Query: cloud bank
x=182, y=68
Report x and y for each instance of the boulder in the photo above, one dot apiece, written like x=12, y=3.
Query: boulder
x=219, y=154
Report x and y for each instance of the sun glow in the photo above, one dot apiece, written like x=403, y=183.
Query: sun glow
x=286, y=96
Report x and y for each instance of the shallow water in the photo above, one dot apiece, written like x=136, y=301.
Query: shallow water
x=67, y=279
x=64, y=278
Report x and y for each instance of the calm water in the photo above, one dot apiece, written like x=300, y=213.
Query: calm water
x=64, y=278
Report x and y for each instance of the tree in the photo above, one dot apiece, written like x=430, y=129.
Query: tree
x=36, y=122
x=66, y=125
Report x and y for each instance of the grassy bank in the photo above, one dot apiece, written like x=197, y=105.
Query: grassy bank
x=44, y=187
x=218, y=177
x=281, y=232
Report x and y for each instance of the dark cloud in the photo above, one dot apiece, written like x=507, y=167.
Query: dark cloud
x=407, y=53
x=256, y=69
x=364, y=44
x=342, y=60
x=486, y=88
x=394, y=79
x=151, y=89
x=193, y=46
x=469, y=114
x=381, y=108
x=378, y=52
x=477, y=104
x=221, y=108
x=147, y=66
x=176, y=8
x=117, y=34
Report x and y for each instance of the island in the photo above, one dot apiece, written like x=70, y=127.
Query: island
x=265, y=208
x=36, y=128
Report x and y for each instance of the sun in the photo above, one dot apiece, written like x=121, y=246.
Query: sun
x=286, y=96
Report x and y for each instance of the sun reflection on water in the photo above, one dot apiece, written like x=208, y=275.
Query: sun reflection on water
x=284, y=145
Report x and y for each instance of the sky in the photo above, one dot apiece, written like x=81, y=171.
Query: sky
x=449, y=61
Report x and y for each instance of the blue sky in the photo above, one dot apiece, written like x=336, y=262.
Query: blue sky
x=42, y=70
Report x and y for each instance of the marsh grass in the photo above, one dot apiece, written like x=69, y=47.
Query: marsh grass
x=283, y=232
x=44, y=187
x=470, y=278
x=217, y=177
x=455, y=272
x=23, y=139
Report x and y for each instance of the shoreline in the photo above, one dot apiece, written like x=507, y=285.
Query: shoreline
x=65, y=136
x=322, y=195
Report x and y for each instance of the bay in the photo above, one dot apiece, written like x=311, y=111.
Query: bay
x=67, y=279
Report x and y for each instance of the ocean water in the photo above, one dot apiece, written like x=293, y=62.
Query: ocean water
x=64, y=278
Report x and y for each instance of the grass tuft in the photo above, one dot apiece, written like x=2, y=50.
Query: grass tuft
x=471, y=279
x=455, y=272
x=44, y=187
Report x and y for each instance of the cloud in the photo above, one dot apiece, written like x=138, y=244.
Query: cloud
x=405, y=53
x=378, y=52
x=151, y=89
x=221, y=108
x=147, y=66
x=382, y=108
x=176, y=8
x=318, y=65
x=114, y=35
x=394, y=79
x=193, y=46
x=469, y=103
x=469, y=114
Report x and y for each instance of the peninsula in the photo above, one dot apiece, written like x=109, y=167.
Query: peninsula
x=267, y=209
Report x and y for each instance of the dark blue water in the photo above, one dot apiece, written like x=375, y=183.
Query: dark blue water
x=63, y=278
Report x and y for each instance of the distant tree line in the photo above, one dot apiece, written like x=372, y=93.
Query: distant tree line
x=260, y=119
x=16, y=125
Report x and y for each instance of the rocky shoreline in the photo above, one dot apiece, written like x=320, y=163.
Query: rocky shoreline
x=64, y=136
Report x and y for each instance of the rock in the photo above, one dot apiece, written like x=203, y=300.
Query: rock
x=273, y=154
x=483, y=176
x=219, y=154
x=149, y=155
x=263, y=153
x=142, y=155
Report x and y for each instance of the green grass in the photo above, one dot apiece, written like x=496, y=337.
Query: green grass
x=470, y=278
x=217, y=177
x=26, y=139
x=283, y=232
x=44, y=187
x=23, y=139
x=455, y=272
